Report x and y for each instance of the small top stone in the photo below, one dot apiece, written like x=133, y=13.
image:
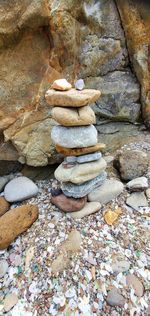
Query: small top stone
x=72, y=97
x=61, y=84
x=79, y=85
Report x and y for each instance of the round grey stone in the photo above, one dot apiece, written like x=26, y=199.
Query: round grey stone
x=20, y=189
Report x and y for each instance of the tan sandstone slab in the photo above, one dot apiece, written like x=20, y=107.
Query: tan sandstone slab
x=88, y=209
x=74, y=117
x=79, y=151
x=80, y=173
x=71, y=98
x=61, y=84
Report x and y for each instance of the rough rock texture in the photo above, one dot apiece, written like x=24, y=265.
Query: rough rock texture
x=15, y=222
x=41, y=41
x=136, y=24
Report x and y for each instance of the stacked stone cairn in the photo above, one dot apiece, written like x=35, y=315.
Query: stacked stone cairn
x=75, y=136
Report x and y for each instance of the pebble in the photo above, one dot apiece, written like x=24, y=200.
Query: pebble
x=80, y=173
x=20, y=189
x=136, y=200
x=108, y=191
x=79, y=151
x=133, y=281
x=68, y=204
x=88, y=209
x=10, y=301
x=81, y=136
x=79, y=84
x=114, y=298
x=138, y=184
x=61, y=84
x=4, y=206
x=120, y=266
x=4, y=180
x=77, y=191
x=3, y=268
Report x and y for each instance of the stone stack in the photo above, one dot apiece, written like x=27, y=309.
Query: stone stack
x=83, y=168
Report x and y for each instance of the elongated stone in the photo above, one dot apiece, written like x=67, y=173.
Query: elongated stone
x=84, y=158
x=80, y=172
x=79, y=151
x=88, y=209
x=77, y=191
x=72, y=98
x=74, y=137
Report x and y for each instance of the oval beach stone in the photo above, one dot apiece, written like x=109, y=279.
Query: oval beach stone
x=20, y=189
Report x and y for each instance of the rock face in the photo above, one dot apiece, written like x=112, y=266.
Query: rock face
x=15, y=222
x=41, y=42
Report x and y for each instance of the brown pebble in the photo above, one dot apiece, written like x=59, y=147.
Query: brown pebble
x=68, y=204
x=4, y=206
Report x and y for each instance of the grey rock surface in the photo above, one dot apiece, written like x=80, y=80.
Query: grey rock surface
x=107, y=192
x=138, y=184
x=20, y=189
x=77, y=191
x=137, y=200
x=74, y=137
x=4, y=180
x=84, y=158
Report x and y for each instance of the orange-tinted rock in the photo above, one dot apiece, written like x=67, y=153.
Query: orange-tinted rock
x=4, y=206
x=79, y=151
x=15, y=222
x=61, y=84
x=67, y=204
x=72, y=97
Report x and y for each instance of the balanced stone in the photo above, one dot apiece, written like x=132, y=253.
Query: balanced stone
x=20, y=189
x=74, y=137
x=61, y=84
x=107, y=192
x=83, y=158
x=71, y=98
x=74, y=117
x=68, y=204
x=80, y=172
x=79, y=151
x=88, y=209
x=77, y=191
x=79, y=85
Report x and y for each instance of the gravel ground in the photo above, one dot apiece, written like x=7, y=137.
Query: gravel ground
x=85, y=276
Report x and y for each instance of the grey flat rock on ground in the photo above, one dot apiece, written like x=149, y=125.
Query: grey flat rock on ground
x=74, y=137
x=107, y=192
x=136, y=200
x=20, y=189
x=138, y=184
x=77, y=191
x=4, y=180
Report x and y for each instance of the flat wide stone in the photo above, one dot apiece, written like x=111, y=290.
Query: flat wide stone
x=72, y=98
x=74, y=117
x=20, y=189
x=68, y=204
x=88, y=209
x=138, y=184
x=79, y=151
x=77, y=191
x=136, y=200
x=74, y=137
x=80, y=173
x=84, y=158
x=107, y=192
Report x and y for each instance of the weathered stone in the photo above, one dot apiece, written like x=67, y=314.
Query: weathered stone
x=61, y=84
x=108, y=191
x=132, y=164
x=10, y=301
x=84, y=158
x=134, y=282
x=79, y=84
x=15, y=222
x=114, y=298
x=20, y=189
x=79, y=151
x=80, y=173
x=72, y=98
x=120, y=96
x=77, y=191
x=4, y=206
x=138, y=184
x=3, y=268
x=79, y=137
x=4, y=180
x=136, y=24
x=74, y=117
x=136, y=200
x=67, y=204
x=88, y=209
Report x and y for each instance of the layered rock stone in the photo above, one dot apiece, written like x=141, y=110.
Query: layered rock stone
x=79, y=151
x=74, y=117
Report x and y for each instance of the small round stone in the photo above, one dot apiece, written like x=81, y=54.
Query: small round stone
x=79, y=85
